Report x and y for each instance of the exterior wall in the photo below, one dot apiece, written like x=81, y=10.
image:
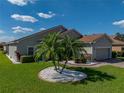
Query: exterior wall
x=117, y=48
x=102, y=43
x=23, y=45
x=11, y=52
x=88, y=49
x=35, y=39
x=6, y=48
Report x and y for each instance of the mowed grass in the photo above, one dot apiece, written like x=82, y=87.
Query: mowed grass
x=23, y=78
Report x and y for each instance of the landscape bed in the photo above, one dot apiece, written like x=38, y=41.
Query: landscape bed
x=23, y=78
x=121, y=58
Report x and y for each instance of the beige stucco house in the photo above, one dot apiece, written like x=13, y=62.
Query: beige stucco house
x=99, y=46
x=117, y=45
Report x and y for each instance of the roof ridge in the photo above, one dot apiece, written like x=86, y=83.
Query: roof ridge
x=42, y=31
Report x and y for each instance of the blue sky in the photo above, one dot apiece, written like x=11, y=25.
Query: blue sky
x=19, y=18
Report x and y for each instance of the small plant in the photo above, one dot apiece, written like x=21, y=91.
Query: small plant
x=18, y=55
x=4, y=52
x=82, y=60
x=114, y=54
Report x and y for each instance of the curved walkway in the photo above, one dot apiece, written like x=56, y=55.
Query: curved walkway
x=51, y=75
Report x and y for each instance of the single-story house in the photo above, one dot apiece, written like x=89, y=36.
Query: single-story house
x=99, y=46
x=27, y=45
x=117, y=45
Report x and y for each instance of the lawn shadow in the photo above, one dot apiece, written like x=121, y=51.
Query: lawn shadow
x=93, y=75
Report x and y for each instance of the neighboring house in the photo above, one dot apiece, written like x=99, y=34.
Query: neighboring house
x=98, y=46
x=27, y=45
x=117, y=45
x=2, y=45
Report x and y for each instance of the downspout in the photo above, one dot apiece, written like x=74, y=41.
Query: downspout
x=92, y=58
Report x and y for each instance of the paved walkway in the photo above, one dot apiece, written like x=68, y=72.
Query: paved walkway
x=113, y=62
x=13, y=61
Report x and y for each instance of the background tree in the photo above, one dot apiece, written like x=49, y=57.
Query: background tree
x=119, y=36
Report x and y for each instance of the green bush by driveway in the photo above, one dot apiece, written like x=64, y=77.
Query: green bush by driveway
x=23, y=78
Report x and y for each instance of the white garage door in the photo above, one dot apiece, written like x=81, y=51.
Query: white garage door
x=102, y=53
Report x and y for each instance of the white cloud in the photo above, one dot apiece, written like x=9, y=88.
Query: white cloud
x=1, y=32
x=119, y=23
x=7, y=38
x=24, y=18
x=42, y=28
x=21, y=2
x=46, y=15
x=20, y=29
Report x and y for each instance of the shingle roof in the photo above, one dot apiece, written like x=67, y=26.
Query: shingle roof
x=43, y=33
x=91, y=38
x=60, y=28
x=72, y=33
x=116, y=42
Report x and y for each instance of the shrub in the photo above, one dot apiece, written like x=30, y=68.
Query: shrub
x=83, y=60
x=122, y=54
x=4, y=52
x=1, y=49
x=119, y=54
x=121, y=58
x=18, y=55
x=27, y=59
x=114, y=54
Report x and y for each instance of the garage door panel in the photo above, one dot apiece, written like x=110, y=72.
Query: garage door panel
x=102, y=53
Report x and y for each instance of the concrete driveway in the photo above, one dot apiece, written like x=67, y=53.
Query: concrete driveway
x=113, y=62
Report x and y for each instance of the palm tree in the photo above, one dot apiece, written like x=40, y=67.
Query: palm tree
x=47, y=49
x=72, y=49
x=57, y=49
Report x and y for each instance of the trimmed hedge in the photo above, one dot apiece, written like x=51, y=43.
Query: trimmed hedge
x=27, y=59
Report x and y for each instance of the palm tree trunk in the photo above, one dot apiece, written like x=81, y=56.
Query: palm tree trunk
x=64, y=66
x=54, y=63
x=58, y=65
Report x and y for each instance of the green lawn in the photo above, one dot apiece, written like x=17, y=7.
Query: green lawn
x=22, y=78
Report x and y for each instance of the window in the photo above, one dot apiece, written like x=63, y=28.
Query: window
x=30, y=50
